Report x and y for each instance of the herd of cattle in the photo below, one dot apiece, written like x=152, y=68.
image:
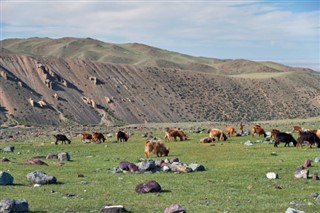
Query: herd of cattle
x=157, y=147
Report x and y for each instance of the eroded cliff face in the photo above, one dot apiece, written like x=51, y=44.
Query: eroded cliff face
x=50, y=90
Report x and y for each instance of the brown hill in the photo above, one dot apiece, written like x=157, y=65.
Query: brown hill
x=90, y=82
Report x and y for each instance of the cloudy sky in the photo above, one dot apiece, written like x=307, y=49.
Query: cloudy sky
x=284, y=31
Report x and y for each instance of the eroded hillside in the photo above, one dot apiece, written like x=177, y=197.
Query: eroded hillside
x=51, y=90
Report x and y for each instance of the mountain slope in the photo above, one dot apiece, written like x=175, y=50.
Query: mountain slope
x=90, y=91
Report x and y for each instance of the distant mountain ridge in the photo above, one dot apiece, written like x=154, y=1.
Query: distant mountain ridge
x=88, y=81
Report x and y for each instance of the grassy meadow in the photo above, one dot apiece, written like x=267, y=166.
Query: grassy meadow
x=234, y=181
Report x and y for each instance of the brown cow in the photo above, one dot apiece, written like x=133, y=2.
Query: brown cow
x=155, y=147
x=230, y=131
x=273, y=132
x=97, y=137
x=174, y=133
x=86, y=137
x=217, y=133
x=296, y=128
x=241, y=128
x=258, y=130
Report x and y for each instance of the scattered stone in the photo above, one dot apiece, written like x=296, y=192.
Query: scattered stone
x=84, y=182
x=248, y=143
x=180, y=168
x=69, y=195
x=314, y=194
x=174, y=160
x=36, y=185
x=52, y=156
x=317, y=160
x=196, y=167
x=300, y=168
x=302, y=173
x=297, y=203
x=276, y=186
x=272, y=175
x=133, y=167
x=41, y=178
x=291, y=210
x=80, y=175
x=274, y=154
x=114, y=208
x=315, y=176
x=6, y=178
x=12, y=205
x=35, y=162
x=5, y=159
x=175, y=208
x=147, y=165
x=124, y=165
x=307, y=163
x=8, y=149
x=64, y=156
x=59, y=163
x=148, y=186
x=318, y=199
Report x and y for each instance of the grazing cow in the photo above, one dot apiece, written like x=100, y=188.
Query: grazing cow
x=121, y=136
x=217, y=133
x=273, y=132
x=230, y=131
x=155, y=147
x=97, y=137
x=309, y=137
x=174, y=133
x=296, y=128
x=86, y=137
x=62, y=138
x=283, y=137
x=241, y=127
x=257, y=129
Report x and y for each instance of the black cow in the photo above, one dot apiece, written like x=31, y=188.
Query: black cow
x=62, y=138
x=283, y=137
x=122, y=136
x=309, y=137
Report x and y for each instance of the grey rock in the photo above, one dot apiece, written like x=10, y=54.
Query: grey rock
x=196, y=167
x=11, y=205
x=113, y=209
x=147, y=165
x=40, y=177
x=297, y=203
x=148, y=186
x=6, y=178
x=302, y=173
x=175, y=208
x=124, y=165
x=291, y=210
x=8, y=149
x=52, y=156
x=318, y=199
x=248, y=143
x=314, y=194
x=317, y=160
x=64, y=156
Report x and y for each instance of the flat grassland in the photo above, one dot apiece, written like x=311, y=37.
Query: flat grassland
x=234, y=181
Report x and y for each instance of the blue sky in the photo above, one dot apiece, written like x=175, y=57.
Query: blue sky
x=284, y=31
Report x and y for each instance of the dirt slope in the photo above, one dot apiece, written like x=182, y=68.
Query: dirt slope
x=96, y=92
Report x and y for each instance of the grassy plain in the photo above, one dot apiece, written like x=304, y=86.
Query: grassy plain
x=234, y=180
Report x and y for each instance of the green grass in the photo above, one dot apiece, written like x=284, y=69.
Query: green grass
x=234, y=180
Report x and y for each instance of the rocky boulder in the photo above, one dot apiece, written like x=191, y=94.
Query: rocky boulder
x=11, y=205
x=148, y=186
x=6, y=178
x=40, y=177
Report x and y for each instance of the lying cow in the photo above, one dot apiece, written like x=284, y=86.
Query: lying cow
x=283, y=137
x=98, y=137
x=155, y=147
x=121, y=136
x=174, y=133
x=217, y=133
x=62, y=138
x=85, y=137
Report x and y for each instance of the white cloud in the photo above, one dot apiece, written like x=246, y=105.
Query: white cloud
x=177, y=26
